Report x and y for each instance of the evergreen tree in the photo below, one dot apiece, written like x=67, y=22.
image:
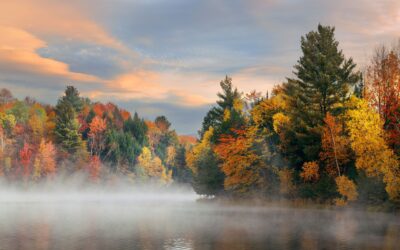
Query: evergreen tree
x=72, y=96
x=67, y=127
x=323, y=77
x=138, y=128
x=217, y=116
x=323, y=82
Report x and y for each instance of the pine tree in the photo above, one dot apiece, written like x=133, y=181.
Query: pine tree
x=323, y=76
x=217, y=117
x=67, y=126
x=322, y=84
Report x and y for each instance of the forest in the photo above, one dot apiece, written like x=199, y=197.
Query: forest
x=99, y=140
x=330, y=134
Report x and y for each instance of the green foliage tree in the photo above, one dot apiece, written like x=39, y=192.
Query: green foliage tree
x=224, y=115
x=67, y=126
x=323, y=82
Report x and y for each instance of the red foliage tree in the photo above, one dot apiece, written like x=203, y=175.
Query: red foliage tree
x=25, y=158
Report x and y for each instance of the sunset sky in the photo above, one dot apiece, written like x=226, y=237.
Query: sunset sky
x=166, y=57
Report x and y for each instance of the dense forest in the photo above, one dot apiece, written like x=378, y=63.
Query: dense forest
x=330, y=134
x=98, y=140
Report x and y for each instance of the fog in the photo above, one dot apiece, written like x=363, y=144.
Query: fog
x=71, y=215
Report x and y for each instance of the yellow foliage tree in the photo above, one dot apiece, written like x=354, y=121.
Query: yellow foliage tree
x=280, y=120
x=152, y=166
x=347, y=188
x=197, y=151
x=368, y=142
x=45, y=162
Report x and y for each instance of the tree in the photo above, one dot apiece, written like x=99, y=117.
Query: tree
x=96, y=134
x=152, y=167
x=242, y=166
x=217, y=116
x=45, y=162
x=347, y=189
x=138, y=128
x=372, y=153
x=324, y=76
x=25, y=158
x=336, y=151
x=121, y=150
x=36, y=122
x=310, y=171
x=72, y=97
x=201, y=159
x=383, y=91
x=67, y=128
x=323, y=82
x=162, y=123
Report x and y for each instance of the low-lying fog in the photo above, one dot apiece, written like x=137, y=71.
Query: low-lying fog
x=67, y=217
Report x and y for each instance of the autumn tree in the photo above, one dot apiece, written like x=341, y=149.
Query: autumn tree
x=208, y=179
x=45, y=161
x=242, y=166
x=347, y=189
x=96, y=134
x=372, y=153
x=383, y=91
x=310, y=171
x=25, y=158
x=152, y=167
x=336, y=151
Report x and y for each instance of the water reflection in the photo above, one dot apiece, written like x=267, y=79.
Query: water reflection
x=189, y=225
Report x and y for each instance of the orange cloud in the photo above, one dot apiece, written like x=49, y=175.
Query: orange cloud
x=18, y=52
x=149, y=86
x=45, y=17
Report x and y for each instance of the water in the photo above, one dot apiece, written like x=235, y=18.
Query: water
x=178, y=221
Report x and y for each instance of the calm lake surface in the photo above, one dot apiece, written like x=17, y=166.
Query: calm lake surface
x=177, y=221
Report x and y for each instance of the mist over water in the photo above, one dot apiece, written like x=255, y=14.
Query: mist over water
x=129, y=217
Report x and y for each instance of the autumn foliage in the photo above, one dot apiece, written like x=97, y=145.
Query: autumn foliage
x=241, y=165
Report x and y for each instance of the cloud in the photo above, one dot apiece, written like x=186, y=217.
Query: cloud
x=170, y=55
x=18, y=54
x=46, y=17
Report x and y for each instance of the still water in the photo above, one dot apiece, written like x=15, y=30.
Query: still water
x=178, y=221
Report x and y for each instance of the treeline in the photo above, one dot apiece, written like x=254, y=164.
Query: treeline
x=330, y=133
x=39, y=141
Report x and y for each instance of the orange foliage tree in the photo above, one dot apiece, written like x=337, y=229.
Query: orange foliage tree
x=45, y=161
x=336, y=150
x=242, y=166
x=97, y=128
x=310, y=171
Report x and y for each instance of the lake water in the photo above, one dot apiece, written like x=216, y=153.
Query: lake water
x=178, y=221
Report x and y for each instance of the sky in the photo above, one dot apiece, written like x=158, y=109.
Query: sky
x=167, y=57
